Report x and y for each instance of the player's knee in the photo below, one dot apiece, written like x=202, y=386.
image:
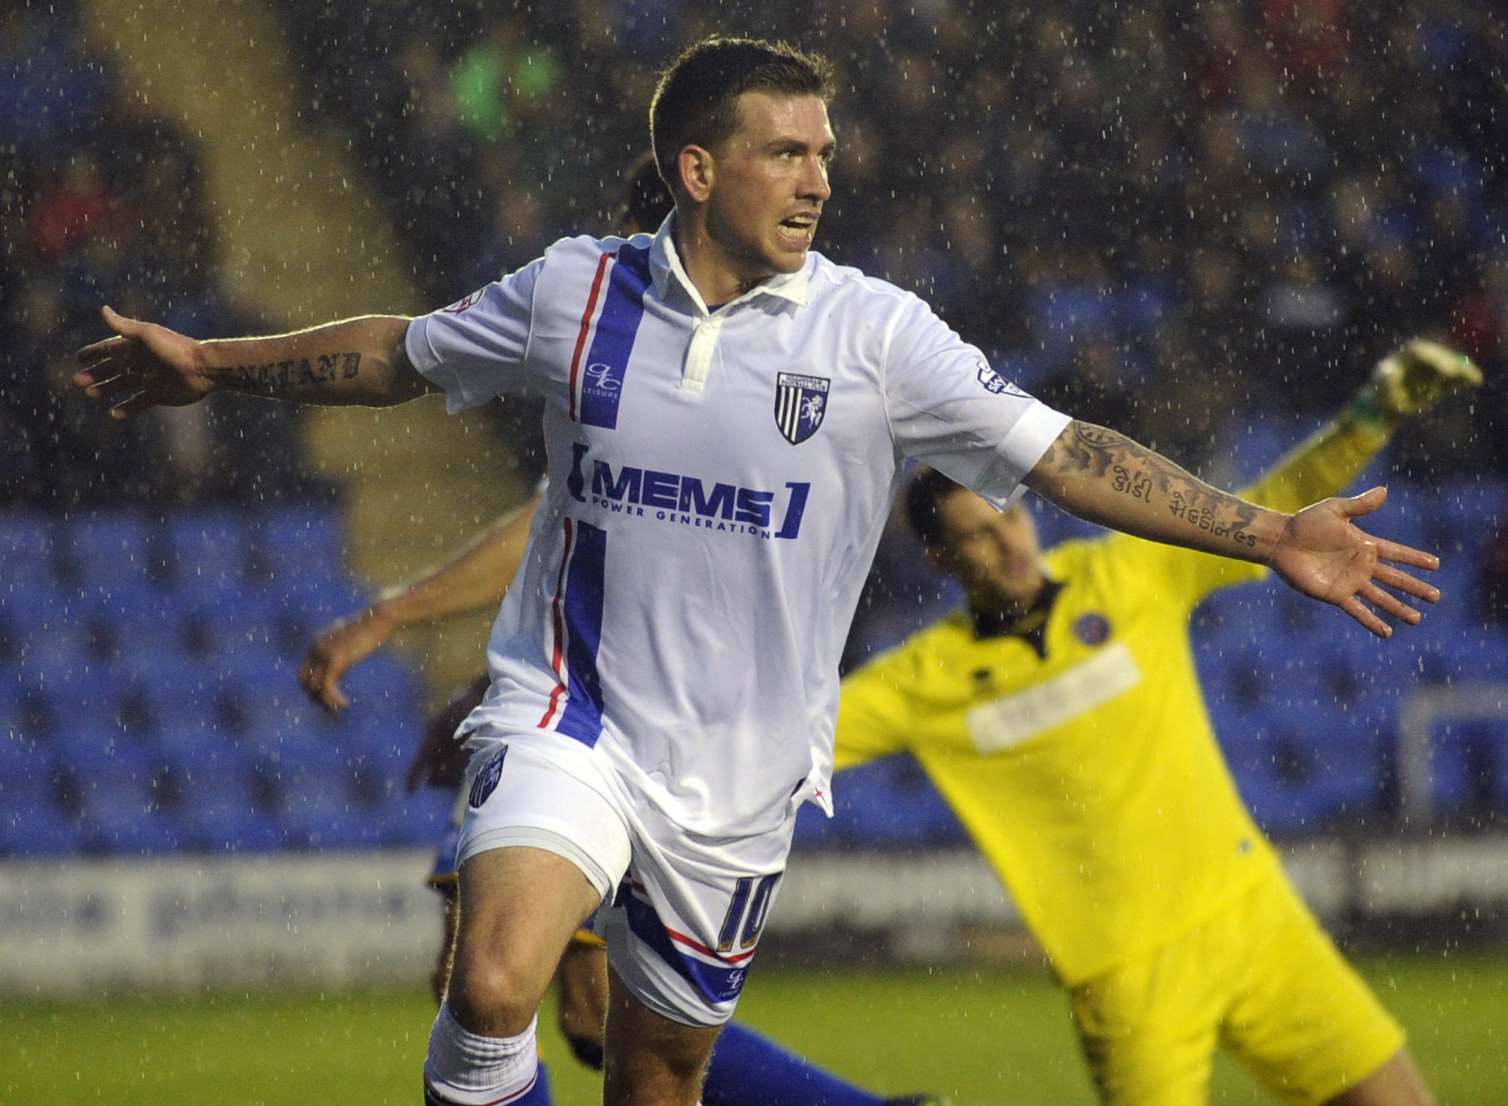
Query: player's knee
x=492, y=997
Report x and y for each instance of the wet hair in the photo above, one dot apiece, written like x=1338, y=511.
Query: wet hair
x=924, y=495
x=696, y=99
x=646, y=200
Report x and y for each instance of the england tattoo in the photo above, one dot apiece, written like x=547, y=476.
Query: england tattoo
x=277, y=378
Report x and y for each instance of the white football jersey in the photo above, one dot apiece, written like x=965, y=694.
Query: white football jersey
x=718, y=482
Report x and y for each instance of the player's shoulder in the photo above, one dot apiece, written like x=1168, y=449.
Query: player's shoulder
x=845, y=282
x=923, y=649
x=588, y=250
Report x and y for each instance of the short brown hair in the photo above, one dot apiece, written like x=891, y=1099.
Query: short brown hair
x=696, y=99
x=924, y=496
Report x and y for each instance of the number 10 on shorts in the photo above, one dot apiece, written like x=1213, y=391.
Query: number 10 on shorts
x=748, y=909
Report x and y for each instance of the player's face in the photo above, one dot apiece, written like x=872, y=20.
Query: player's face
x=994, y=554
x=770, y=184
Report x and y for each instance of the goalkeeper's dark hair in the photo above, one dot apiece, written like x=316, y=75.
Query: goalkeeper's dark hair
x=646, y=199
x=696, y=100
x=924, y=494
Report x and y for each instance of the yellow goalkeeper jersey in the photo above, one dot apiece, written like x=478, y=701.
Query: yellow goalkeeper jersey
x=1088, y=773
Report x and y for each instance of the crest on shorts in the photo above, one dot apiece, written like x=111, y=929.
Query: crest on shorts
x=800, y=404
x=486, y=780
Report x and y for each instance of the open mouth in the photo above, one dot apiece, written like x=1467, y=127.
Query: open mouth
x=798, y=229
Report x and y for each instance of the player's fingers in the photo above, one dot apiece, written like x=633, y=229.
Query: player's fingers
x=1389, y=603
x=1364, y=504
x=1402, y=581
x=1401, y=554
x=308, y=677
x=1363, y=614
x=122, y=324
x=95, y=352
x=133, y=403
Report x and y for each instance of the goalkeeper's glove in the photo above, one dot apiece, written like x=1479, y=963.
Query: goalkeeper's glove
x=1412, y=380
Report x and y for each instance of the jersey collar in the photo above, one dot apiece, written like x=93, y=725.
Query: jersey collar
x=665, y=267
x=1030, y=625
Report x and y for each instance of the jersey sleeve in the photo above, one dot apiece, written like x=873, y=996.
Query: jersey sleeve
x=874, y=711
x=948, y=408
x=477, y=349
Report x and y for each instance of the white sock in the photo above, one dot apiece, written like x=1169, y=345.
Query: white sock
x=467, y=1069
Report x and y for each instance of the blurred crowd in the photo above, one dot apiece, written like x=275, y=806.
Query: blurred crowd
x=1179, y=219
x=1171, y=217
x=101, y=202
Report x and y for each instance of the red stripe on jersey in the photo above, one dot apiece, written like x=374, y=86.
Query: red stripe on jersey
x=559, y=651
x=586, y=325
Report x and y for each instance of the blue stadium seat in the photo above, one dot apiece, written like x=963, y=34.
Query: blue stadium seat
x=815, y=830
x=207, y=555
x=120, y=790
x=414, y=820
x=113, y=548
x=225, y=809
x=891, y=802
x=32, y=827
x=300, y=535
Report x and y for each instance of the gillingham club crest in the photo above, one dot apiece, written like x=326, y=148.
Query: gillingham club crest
x=800, y=403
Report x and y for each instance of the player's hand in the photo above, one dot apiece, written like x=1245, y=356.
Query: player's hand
x=1413, y=379
x=440, y=760
x=144, y=365
x=1325, y=555
x=338, y=647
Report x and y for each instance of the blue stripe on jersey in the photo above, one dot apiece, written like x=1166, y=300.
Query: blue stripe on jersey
x=715, y=983
x=606, y=369
x=583, y=617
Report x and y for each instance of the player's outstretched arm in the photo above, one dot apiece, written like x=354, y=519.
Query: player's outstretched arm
x=355, y=361
x=1107, y=478
x=475, y=578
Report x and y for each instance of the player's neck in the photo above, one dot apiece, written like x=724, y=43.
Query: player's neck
x=999, y=607
x=713, y=272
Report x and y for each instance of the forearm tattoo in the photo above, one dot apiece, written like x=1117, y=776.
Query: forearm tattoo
x=1136, y=472
x=277, y=378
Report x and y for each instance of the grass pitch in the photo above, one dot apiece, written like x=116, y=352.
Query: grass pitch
x=989, y=1036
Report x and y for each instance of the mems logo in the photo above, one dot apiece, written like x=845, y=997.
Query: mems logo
x=688, y=500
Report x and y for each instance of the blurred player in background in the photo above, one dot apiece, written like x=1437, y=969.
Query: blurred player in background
x=664, y=783
x=746, y=1069
x=1060, y=716
x=1111, y=817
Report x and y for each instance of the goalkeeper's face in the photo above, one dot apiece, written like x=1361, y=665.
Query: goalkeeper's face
x=994, y=554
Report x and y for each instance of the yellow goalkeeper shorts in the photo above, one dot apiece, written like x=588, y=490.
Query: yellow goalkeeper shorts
x=1258, y=977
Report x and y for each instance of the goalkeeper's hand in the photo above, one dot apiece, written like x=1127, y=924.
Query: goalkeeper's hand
x=1413, y=379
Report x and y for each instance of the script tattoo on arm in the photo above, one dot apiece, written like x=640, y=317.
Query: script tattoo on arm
x=280, y=378
x=1133, y=471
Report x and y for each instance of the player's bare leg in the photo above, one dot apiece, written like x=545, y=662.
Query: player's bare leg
x=518, y=908
x=1396, y=1083
x=439, y=979
x=651, y=1060
x=582, y=982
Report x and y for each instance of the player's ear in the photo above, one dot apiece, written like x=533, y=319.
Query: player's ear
x=696, y=168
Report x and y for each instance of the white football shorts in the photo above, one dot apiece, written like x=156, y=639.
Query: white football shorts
x=682, y=914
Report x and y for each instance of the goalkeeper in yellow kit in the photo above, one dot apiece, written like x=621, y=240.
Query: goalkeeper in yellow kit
x=1060, y=715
